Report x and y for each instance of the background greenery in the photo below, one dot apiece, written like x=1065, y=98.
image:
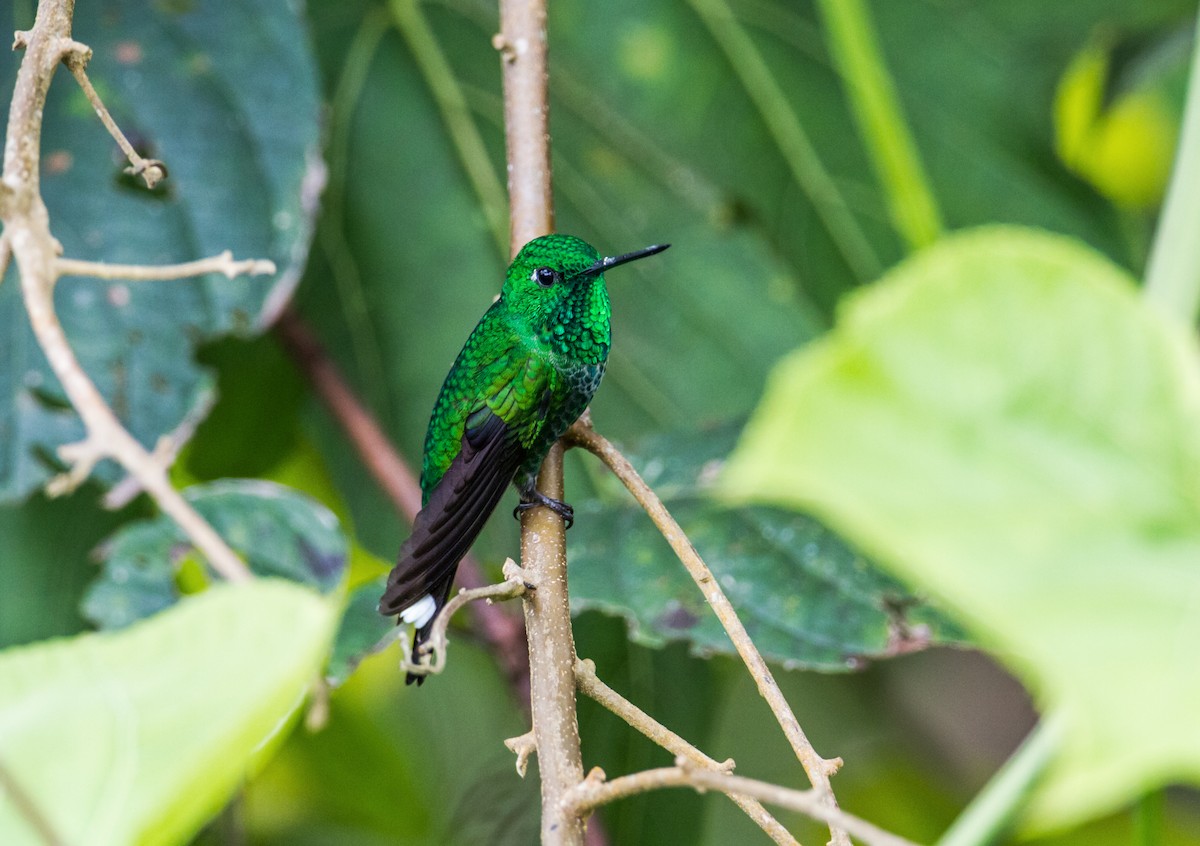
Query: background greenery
x=701, y=123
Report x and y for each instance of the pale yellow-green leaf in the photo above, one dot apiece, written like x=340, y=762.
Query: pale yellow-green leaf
x=139, y=736
x=1006, y=424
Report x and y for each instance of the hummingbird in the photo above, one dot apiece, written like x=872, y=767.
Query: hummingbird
x=525, y=374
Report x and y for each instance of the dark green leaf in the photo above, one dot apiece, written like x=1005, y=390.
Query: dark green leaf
x=360, y=633
x=806, y=597
x=277, y=530
x=226, y=95
x=44, y=565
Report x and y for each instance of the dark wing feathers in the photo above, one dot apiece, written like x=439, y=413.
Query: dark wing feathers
x=464, y=496
x=457, y=509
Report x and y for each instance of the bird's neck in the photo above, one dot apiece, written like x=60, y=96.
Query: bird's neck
x=579, y=328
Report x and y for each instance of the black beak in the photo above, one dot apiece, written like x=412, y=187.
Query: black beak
x=605, y=263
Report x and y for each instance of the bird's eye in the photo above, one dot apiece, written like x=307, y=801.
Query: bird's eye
x=544, y=276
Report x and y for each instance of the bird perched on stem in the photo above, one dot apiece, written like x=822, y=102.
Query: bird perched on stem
x=525, y=374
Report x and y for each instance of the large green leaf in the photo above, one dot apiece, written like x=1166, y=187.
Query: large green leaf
x=807, y=598
x=226, y=95
x=1006, y=424
x=279, y=532
x=139, y=736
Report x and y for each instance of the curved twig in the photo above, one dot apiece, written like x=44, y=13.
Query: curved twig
x=596, y=791
x=817, y=768
x=432, y=659
x=27, y=231
x=591, y=685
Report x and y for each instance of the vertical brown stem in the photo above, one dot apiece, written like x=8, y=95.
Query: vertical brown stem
x=552, y=659
x=522, y=44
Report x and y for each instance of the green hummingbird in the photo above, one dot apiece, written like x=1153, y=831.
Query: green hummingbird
x=525, y=374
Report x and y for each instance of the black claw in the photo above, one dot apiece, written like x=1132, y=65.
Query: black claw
x=537, y=498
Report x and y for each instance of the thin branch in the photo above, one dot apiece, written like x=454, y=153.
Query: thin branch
x=223, y=264
x=152, y=171
x=522, y=46
x=591, y=685
x=596, y=791
x=818, y=769
x=343, y=263
x=552, y=659
x=432, y=658
x=503, y=632
x=27, y=228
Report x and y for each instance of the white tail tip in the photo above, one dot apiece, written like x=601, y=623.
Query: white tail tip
x=420, y=612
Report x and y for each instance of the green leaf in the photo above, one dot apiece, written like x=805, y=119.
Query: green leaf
x=227, y=97
x=44, y=564
x=1006, y=424
x=279, y=532
x=806, y=598
x=360, y=632
x=141, y=735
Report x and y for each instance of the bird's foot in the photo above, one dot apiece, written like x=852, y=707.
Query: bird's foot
x=533, y=498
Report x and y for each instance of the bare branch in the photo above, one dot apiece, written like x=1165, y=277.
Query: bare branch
x=543, y=535
x=818, y=769
x=27, y=231
x=596, y=791
x=76, y=57
x=223, y=264
x=591, y=685
x=434, y=649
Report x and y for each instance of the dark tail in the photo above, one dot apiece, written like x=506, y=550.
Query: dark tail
x=441, y=595
x=452, y=518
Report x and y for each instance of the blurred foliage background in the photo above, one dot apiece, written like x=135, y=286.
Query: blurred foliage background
x=696, y=122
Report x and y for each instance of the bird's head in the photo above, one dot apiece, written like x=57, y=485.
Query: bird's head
x=558, y=279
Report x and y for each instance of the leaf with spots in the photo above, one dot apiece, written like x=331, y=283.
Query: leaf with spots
x=227, y=96
x=149, y=565
x=807, y=598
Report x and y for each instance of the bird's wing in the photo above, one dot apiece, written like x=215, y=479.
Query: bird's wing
x=494, y=443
